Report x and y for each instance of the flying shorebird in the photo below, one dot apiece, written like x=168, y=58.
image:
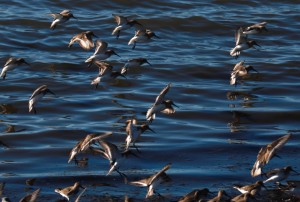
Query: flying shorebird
x=279, y=174
x=248, y=188
x=123, y=23
x=256, y=28
x=31, y=197
x=240, y=70
x=266, y=153
x=69, y=191
x=153, y=181
x=62, y=17
x=101, y=52
x=105, y=71
x=134, y=132
x=142, y=35
x=85, y=143
x=10, y=64
x=195, y=195
x=161, y=105
x=37, y=96
x=114, y=155
x=84, y=39
x=241, y=43
x=136, y=62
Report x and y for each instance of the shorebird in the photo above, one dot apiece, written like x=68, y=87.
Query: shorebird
x=37, y=96
x=153, y=181
x=246, y=197
x=241, y=43
x=85, y=143
x=266, y=153
x=195, y=195
x=123, y=23
x=279, y=174
x=69, y=191
x=142, y=35
x=248, y=188
x=84, y=39
x=31, y=197
x=256, y=28
x=11, y=64
x=161, y=105
x=105, y=71
x=221, y=197
x=136, y=62
x=134, y=132
x=114, y=155
x=240, y=70
x=101, y=52
x=62, y=17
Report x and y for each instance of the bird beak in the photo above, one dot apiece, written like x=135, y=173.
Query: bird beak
x=264, y=187
x=156, y=36
x=74, y=17
x=295, y=171
x=254, y=70
x=175, y=105
x=116, y=54
x=26, y=63
x=95, y=35
x=122, y=75
x=256, y=44
x=51, y=92
x=151, y=130
x=148, y=63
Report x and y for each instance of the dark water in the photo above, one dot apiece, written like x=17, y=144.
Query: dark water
x=213, y=138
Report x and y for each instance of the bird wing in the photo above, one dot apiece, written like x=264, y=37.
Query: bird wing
x=79, y=196
x=55, y=15
x=93, y=139
x=86, y=43
x=255, y=26
x=119, y=19
x=238, y=65
x=277, y=145
x=162, y=94
x=110, y=149
x=159, y=173
x=240, y=37
x=31, y=197
x=38, y=91
x=65, y=12
x=260, y=162
x=140, y=183
x=9, y=61
x=101, y=46
x=103, y=66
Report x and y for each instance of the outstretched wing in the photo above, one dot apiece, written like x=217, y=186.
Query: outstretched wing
x=162, y=94
x=101, y=46
x=240, y=37
x=120, y=19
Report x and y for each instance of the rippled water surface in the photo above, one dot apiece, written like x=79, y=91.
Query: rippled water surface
x=213, y=138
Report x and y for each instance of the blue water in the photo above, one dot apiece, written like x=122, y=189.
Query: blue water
x=213, y=138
